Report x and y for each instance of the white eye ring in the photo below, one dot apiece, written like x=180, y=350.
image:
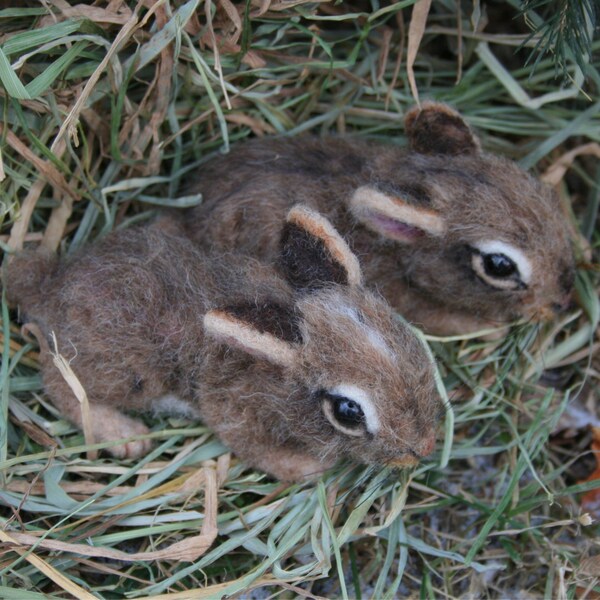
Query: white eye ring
x=363, y=399
x=516, y=255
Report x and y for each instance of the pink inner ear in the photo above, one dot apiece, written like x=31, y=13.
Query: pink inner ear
x=394, y=229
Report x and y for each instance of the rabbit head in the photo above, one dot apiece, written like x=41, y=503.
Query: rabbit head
x=359, y=382
x=476, y=230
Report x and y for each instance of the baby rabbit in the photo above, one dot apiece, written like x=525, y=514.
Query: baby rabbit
x=294, y=366
x=456, y=239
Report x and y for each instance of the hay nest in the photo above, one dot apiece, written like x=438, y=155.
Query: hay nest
x=106, y=106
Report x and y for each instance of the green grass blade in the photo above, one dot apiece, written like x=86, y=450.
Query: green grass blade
x=43, y=81
x=22, y=42
x=12, y=84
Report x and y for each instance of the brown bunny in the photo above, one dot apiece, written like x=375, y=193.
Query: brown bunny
x=456, y=239
x=294, y=366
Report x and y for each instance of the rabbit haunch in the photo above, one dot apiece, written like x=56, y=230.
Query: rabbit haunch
x=294, y=366
x=455, y=238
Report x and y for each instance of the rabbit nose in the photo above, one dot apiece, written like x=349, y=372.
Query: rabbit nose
x=567, y=280
x=564, y=304
x=427, y=446
x=410, y=460
x=553, y=309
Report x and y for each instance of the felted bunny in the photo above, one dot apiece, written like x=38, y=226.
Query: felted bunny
x=293, y=365
x=456, y=239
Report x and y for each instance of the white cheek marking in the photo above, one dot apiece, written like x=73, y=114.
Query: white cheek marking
x=353, y=392
x=174, y=406
x=348, y=311
x=374, y=337
x=516, y=255
x=379, y=343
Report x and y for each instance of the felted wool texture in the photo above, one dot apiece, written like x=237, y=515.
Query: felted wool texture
x=255, y=341
x=361, y=324
x=331, y=244
x=478, y=197
x=128, y=314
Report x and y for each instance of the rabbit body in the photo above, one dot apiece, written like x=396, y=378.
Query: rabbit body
x=294, y=366
x=455, y=239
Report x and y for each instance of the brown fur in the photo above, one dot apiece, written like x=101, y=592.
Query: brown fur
x=456, y=195
x=150, y=322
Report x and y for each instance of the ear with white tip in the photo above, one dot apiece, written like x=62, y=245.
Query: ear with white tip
x=268, y=332
x=313, y=253
x=435, y=128
x=393, y=217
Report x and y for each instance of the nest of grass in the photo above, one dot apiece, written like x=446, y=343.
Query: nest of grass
x=106, y=107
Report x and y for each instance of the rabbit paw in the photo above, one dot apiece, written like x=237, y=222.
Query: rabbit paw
x=113, y=425
x=292, y=466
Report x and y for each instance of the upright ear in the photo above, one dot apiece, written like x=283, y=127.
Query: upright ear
x=437, y=129
x=267, y=330
x=393, y=217
x=314, y=254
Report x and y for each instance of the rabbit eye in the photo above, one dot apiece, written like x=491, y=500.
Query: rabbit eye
x=501, y=265
x=498, y=265
x=350, y=410
x=345, y=414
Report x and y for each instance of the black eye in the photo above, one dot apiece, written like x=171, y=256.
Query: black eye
x=343, y=413
x=348, y=412
x=499, y=265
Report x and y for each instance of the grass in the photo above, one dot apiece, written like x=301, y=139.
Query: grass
x=105, y=110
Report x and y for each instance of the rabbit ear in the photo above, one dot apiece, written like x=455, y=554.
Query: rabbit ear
x=393, y=217
x=437, y=129
x=268, y=331
x=314, y=254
